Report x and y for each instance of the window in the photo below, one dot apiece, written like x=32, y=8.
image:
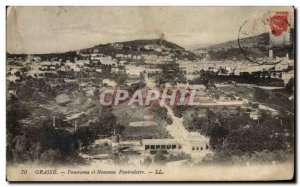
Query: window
x=157, y=146
x=146, y=147
x=168, y=146
x=179, y=146
x=197, y=148
x=173, y=146
x=193, y=148
x=201, y=148
x=152, y=146
x=163, y=146
x=207, y=146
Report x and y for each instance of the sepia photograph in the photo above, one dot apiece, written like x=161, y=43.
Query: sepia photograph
x=150, y=93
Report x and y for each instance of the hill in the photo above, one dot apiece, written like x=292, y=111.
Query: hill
x=255, y=45
x=138, y=47
x=140, y=43
x=135, y=47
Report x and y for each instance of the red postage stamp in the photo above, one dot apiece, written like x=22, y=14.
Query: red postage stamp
x=279, y=23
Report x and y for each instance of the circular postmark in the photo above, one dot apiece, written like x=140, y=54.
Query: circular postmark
x=260, y=36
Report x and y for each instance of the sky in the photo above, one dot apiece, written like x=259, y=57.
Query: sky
x=58, y=29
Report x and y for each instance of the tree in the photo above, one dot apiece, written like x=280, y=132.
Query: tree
x=147, y=161
x=160, y=114
x=160, y=158
x=290, y=86
x=85, y=135
x=21, y=151
x=217, y=136
x=121, y=78
x=118, y=157
x=51, y=157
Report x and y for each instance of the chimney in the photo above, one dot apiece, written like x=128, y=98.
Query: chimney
x=75, y=126
x=79, y=146
x=271, y=54
x=54, y=121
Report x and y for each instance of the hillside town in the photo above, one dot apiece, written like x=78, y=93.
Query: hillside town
x=57, y=95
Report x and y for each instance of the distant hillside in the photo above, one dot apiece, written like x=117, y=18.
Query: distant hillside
x=134, y=47
x=254, y=45
x=254, y=41
x=140, y=43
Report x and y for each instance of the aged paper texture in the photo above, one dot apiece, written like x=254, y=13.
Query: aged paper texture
x=150, y=93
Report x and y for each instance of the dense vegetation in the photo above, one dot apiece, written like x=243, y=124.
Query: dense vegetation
x=261, y=78
x=238, y=135
x=31, y=136
x=171, y=73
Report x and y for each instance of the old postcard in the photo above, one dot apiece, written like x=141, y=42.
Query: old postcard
x=150, y=93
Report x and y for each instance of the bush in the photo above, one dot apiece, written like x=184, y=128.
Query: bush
x=51, y=157
x=169, y=120
x=147, y=161
x=179, y=156
x=160, y=158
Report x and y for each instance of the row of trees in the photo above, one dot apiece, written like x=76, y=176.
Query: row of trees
x=262, y=78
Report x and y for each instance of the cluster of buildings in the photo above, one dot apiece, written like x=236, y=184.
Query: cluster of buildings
x=283, y=70
x=135, y=65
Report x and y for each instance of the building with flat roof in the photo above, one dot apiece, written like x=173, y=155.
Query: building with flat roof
x=194, y=145
x=160, y=144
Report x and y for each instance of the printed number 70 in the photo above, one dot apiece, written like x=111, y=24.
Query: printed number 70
x=23, y=171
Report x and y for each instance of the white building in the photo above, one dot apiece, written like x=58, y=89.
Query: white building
x=109, y=82
x=134, y=70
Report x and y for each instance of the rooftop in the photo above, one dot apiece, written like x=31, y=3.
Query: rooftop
x=159, y=141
